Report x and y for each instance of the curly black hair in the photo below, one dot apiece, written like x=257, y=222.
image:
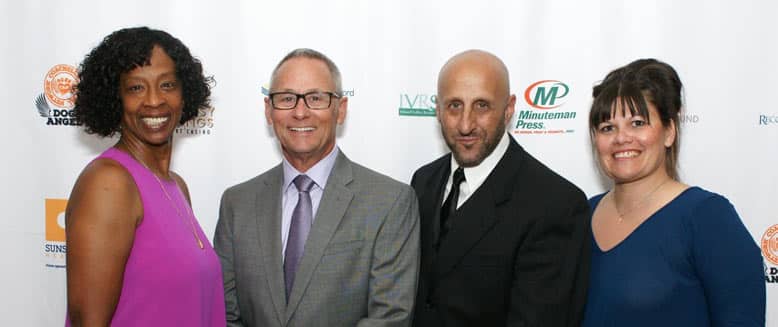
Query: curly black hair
x=98, y=105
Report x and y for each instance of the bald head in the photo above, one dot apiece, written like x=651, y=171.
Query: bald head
x=475, y=62
x=473, y=105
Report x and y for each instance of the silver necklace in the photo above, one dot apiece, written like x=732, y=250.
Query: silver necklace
x=638, y=204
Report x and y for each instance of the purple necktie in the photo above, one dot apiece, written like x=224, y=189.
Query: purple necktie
x=302, y=217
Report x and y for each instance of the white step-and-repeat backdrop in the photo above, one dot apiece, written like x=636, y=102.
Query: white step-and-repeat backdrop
x=389, y=52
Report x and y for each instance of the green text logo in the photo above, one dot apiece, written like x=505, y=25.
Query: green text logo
x=417, y=105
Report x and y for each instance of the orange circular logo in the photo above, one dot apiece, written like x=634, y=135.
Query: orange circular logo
x=58, y=86
x=770, y=244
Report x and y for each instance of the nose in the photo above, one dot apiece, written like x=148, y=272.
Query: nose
x=466, y=123
x=300, y=109
x=623, y=135
x=154, y=97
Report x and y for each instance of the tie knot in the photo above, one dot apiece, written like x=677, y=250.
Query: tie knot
x=303, y=183
x=459, y=176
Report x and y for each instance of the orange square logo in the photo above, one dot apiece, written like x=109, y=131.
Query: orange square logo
x=55, y=220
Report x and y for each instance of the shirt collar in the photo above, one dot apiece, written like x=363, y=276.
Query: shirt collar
x=477, y=175
x=319, y=173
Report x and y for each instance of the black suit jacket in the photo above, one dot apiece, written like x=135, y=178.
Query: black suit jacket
x=517, y=253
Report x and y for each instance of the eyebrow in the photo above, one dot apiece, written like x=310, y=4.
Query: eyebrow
x=127, y=75
x=450, y=99
x=303, y=92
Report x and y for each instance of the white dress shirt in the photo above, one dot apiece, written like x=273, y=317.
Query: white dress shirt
x=475, y=176
x=319, y=173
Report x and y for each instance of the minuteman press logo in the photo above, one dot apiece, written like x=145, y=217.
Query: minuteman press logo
x=544, y=114
x=57, y=100
x=54, y=248
x=546, y=94
x=769, y=245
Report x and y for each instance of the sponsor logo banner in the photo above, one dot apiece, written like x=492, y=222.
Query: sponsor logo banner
x=202, y=124
x=417, y=104
x=54, y=247
x=57, y=100
x=769, y=245
x=265, y=88
x=689, y=118
x=768, y=119
x=544, y=113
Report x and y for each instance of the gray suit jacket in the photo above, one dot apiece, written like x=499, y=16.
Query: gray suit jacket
x=360, y=263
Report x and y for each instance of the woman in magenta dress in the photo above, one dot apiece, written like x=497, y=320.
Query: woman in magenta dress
x=663, y=253
x=136, y=254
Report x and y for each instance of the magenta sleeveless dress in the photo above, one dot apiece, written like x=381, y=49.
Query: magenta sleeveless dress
x=168, y=279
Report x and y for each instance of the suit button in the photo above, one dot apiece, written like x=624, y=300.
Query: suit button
x=429, y=305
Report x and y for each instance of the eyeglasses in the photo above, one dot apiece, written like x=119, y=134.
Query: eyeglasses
x=313, y=100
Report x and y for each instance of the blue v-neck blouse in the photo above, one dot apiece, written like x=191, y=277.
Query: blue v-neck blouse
x=692, y=263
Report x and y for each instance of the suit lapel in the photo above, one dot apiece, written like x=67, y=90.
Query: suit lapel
x=479, y=213
x=332, y=207
x=269, y=223
x=430, y=202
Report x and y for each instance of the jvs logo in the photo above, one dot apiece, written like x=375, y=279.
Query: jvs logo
x=417, y=105
x=57, y=100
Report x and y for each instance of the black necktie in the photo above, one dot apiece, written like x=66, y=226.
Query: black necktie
x=450, y=205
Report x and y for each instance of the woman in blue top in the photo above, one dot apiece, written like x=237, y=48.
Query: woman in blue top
x=663, y=253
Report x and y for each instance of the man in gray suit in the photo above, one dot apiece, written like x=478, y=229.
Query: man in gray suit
x=318, y=240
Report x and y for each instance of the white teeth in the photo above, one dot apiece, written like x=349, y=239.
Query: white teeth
x=626, y=154
x=155, y=122
x=302, y=129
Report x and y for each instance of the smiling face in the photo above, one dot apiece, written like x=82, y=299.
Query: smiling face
x=473, y=105
x=151, y=98
x=306, y=136
x=629, y=148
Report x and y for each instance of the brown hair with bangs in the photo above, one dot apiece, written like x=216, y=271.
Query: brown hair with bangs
x=632, y=87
